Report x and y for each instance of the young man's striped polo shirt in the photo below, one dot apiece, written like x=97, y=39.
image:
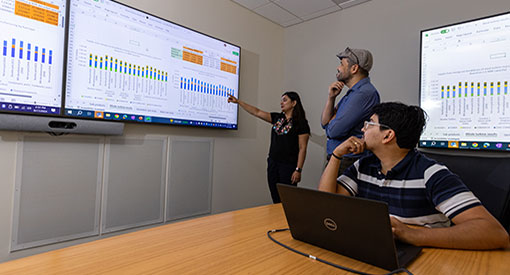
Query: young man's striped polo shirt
x=418, y=190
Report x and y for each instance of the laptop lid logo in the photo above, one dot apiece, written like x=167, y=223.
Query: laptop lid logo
x=330, y=224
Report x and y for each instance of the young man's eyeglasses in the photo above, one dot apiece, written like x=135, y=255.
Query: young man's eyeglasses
x=371, y=123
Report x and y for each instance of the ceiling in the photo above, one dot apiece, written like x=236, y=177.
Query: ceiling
x=291, y=12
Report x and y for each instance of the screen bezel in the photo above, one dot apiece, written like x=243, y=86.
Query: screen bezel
x=445, y=145
x=202, y=125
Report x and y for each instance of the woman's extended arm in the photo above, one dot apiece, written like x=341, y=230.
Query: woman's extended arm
x=251, y=109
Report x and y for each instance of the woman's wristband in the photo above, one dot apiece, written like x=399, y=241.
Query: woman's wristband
x=335, y=156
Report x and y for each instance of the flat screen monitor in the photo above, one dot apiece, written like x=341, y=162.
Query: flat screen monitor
x=127, y=65
x=465, y=72
x=32, y=37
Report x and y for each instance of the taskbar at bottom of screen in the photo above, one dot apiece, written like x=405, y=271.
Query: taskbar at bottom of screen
x=29, y=108
x=475, y=145
x=144, y=119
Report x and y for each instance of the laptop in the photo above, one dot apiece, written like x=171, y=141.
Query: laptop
x=354, y=227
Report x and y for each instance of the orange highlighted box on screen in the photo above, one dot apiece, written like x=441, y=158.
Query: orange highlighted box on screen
x=37, y=13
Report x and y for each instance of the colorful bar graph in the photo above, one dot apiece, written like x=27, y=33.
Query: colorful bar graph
x=21, y=50
x=13, y=51
x=195, y=85
x=105, y=62
x=24, y=50
x=489, y=89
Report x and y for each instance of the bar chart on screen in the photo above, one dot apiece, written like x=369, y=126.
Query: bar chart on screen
x=113, y=73
x=465, y=72
x=480, y=99
x=203, y=95
x=24, y=62
x=144, y=66
x=31, y=55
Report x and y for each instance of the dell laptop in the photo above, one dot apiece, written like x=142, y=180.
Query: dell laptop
x=354, y=227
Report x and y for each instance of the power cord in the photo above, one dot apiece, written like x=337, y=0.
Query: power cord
x=324, y=261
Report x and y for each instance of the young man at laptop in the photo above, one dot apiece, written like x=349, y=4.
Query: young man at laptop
x=418, y=190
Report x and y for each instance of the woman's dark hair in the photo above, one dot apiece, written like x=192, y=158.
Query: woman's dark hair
x=298, y=114
x=407, y=121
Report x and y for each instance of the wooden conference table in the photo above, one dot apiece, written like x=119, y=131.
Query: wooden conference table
x=231, y=243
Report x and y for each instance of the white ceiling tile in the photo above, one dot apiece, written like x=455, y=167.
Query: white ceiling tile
x=275, y=13
x=303, y=8
x=291, y=22
x=291, y=12
x=352, y=3
x=321, y=13
x=251, y=4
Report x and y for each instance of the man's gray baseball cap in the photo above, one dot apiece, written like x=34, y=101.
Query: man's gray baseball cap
x=358, y=56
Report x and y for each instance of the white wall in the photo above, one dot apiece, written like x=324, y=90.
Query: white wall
x=274, y=59
x=390, y=29
x=239, y=179
x=239, y=157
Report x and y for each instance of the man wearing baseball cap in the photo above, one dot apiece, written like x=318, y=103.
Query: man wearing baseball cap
x=346, y=118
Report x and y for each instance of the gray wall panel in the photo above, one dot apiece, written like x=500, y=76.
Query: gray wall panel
x=57, y=190
x=134, y=182
x=190, y=174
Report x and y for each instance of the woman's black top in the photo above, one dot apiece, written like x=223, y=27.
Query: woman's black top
x=284, y=138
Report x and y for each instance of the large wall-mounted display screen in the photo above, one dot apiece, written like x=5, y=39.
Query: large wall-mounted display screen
x=127, y=65
x=31, y=59
x=465, y=73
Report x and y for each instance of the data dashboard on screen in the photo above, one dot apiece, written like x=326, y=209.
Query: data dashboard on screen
x=126, y=65
x=465, y=72
x=32, y=37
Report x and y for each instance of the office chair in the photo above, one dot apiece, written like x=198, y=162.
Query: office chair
x=487, y=177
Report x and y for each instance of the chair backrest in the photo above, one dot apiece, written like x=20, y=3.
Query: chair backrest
x=487, y=177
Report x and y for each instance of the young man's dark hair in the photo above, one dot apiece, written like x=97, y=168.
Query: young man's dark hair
x=407, y=121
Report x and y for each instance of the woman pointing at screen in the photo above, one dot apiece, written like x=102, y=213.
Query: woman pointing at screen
x=289, y=140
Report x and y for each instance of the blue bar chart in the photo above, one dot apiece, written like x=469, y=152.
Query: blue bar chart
x=204, y=94
x=19, y=65
x=106, y=71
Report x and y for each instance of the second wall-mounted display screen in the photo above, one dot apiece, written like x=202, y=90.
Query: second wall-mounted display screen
x=465, y=71
x=127, y=65
x=32, y=56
